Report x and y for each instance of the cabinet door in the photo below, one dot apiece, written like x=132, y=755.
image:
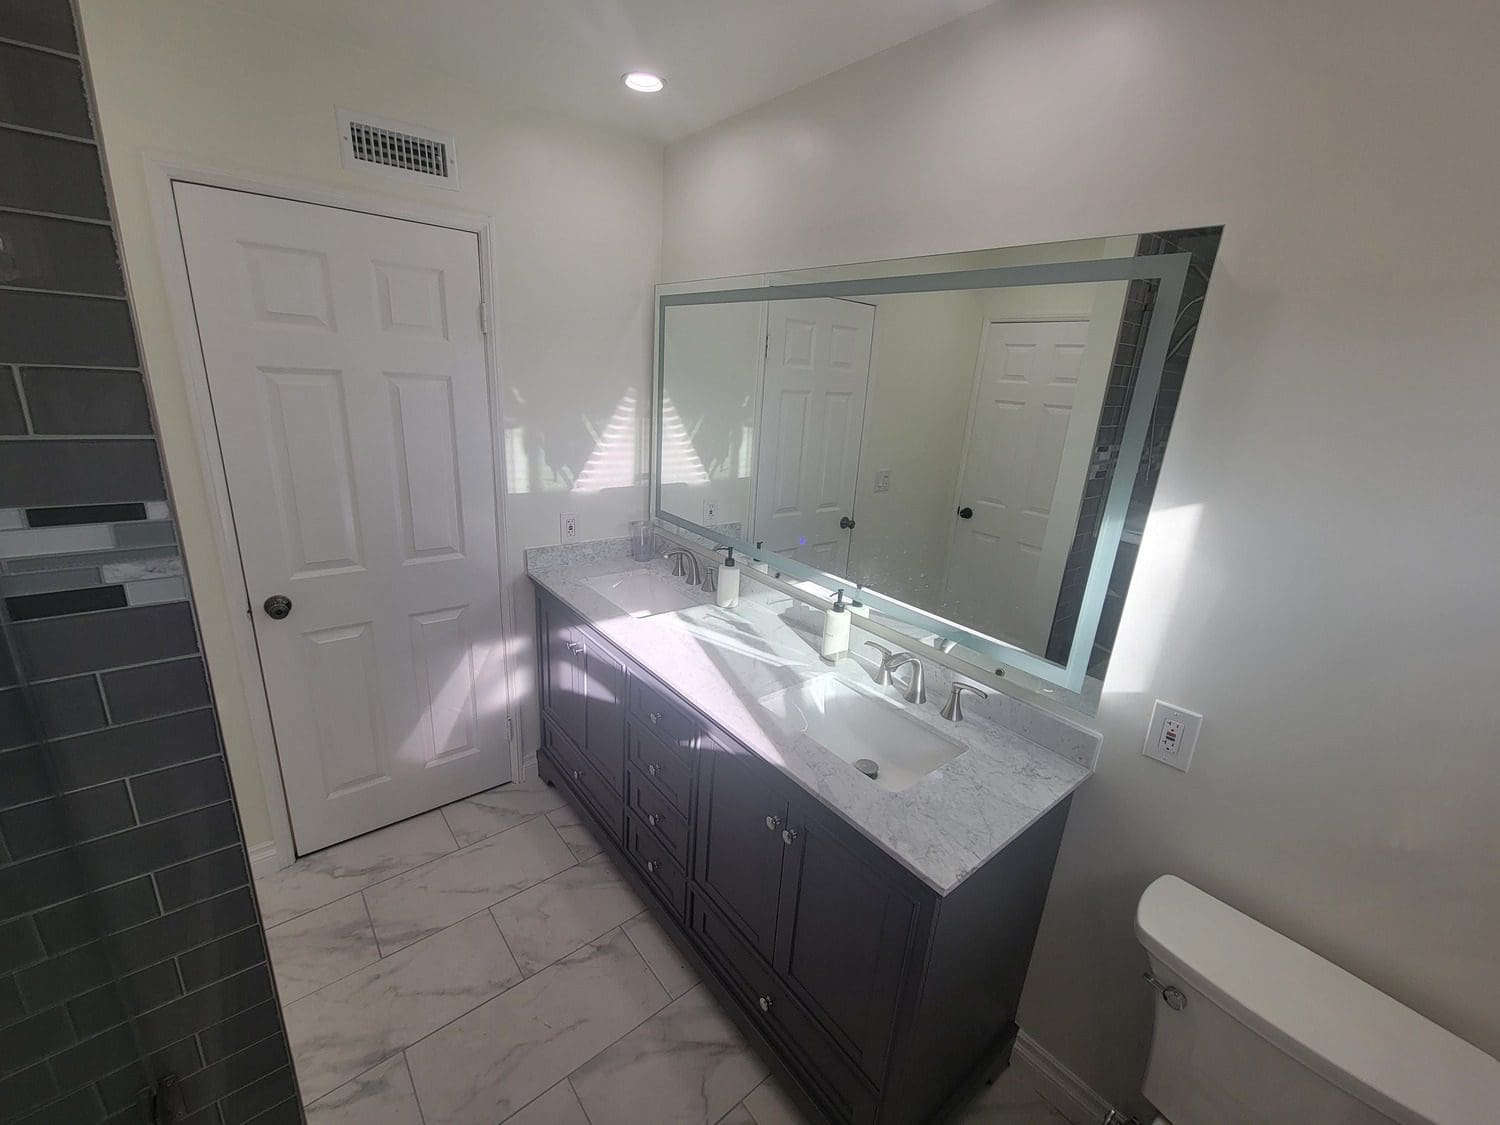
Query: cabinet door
x=738, y=860
x=602, y=690
x=562, y=686
x=846, y=927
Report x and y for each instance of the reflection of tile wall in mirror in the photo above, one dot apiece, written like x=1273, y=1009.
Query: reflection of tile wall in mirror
x=947, y=431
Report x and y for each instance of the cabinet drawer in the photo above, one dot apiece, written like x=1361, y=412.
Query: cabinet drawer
x=656, y=864
x=670, y=769
x=663, y=718
x=581, y=776
x=650, y=805
x=822, y=1068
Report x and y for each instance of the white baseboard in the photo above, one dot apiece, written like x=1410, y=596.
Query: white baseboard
x=263, y=859
x=1068, y=1094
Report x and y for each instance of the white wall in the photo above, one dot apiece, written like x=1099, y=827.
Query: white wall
x=1319, y=573
x=578, y=214
x=712, y=364
x=921, y=381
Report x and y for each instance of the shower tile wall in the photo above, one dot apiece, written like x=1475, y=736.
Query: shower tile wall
x=130, y=945
x=1140, y=298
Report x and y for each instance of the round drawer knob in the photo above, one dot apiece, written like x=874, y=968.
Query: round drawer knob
x=653, y=769
x=577, y=774
x=652, y=819
x=765, y=1003
x=655, y=717
x=788, y=836
x=773, y=823
x=652, y=867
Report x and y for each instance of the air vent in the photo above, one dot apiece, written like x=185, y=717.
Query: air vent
x=407, y=152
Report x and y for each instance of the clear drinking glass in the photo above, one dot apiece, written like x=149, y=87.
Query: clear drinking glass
x=642, y=541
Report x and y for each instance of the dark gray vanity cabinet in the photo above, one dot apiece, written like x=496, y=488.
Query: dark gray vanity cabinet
x=583, y=691
x=878, y=999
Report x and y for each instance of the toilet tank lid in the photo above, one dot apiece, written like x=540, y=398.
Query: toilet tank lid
x=1355, y=1036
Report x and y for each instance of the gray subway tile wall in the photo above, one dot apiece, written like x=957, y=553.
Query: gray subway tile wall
x=130, y=944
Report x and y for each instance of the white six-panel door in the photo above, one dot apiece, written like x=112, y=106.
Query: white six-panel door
x=812, y=420
x=346, y=365
x=1022, y=477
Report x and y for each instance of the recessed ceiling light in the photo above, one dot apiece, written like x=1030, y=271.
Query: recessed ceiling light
x=644, y=82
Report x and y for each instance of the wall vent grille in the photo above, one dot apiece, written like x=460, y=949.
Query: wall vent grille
x=399, y=150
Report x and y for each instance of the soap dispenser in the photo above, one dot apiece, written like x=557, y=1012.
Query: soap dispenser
x=835, y=630
x=728, y=594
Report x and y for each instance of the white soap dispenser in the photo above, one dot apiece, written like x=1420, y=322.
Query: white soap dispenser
x=835, y=630
x=728, y=594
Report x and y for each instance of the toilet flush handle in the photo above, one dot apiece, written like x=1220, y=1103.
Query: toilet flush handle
x=1173, y=995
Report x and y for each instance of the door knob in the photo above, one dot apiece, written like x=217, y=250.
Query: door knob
x=765, y=1003
x=277, y=606
x=652, y=819
x=845, y=522
x=773, y=823
x=966, y=513
x=652, y=867
x=788, y=836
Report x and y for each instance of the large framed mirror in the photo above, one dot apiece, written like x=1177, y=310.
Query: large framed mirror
x=968, y=443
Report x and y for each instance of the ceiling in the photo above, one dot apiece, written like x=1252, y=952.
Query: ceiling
x=719, y=56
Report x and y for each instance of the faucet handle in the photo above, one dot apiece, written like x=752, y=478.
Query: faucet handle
x=953, y=710
x=883, y=672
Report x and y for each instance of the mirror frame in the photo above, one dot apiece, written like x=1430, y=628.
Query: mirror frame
x=1170, y=273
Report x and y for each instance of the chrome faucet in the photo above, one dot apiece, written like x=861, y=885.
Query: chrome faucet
x=685, y=565
x=916, y=689
x=953, y=710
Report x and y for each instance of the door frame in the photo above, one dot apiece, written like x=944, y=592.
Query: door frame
x=162, y=172
x=963, y=457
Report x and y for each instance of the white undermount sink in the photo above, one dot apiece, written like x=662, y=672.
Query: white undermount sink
x=855, y=724
x=643, y=593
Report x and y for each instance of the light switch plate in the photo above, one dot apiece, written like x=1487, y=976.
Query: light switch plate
x=1172, y=735
x=569, y=526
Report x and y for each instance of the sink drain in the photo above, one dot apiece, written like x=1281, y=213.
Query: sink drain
x=867, y=767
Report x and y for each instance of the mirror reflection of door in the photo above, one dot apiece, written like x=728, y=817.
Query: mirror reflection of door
x=812, y=417
x=1022, y=477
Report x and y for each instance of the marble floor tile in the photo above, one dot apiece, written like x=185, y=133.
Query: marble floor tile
x=558, y=1106
x=1013, y=1100
x=670, y=967
x=422, y=901
x=498, y=1058
x=346, y=1027
x=381, y=1095
x=769, y=1104
x=495, y=810
x=687, y=1065
x=319, y=947
x=333, y=873
x=546, y=922
x=570, y=826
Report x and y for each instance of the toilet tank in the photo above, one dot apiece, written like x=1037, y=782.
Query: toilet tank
x=1271, y=1032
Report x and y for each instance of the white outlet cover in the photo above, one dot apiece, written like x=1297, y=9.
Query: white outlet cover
x=710, y=511
x=569, y=526
x=1172, y=735
x=883, y=481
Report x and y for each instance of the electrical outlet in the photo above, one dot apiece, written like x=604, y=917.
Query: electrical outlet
x=883, y=481
x=710, y=512
x=569, y=526
x=1172, y=735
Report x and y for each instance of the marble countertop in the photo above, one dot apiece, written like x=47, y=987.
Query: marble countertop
x=1018, y=761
